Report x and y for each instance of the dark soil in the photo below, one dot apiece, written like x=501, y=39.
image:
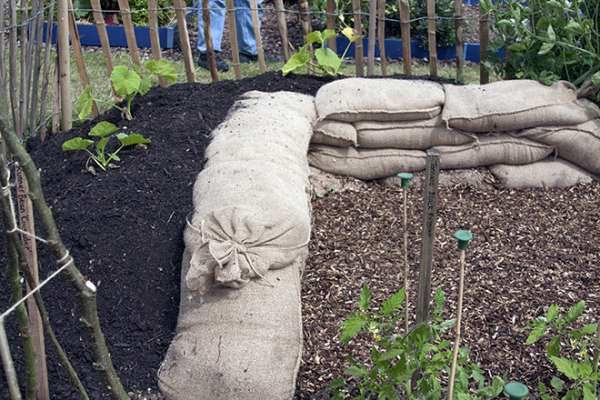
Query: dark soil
x=124, y=228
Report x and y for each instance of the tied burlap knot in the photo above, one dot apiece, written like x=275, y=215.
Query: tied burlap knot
x=229, y=256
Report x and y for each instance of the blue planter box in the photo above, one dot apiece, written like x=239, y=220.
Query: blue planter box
x=88, y=35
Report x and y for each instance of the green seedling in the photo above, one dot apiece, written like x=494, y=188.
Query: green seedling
x=104, y=132
x=328, y=62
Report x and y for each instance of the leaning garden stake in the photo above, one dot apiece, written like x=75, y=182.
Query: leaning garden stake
x=463, y=237
x=405, y=178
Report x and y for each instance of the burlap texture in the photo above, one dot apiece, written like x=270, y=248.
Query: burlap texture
x=334, y=133
x=541, y=174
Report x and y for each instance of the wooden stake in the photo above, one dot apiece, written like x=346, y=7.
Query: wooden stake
x=429, y=220
x=259, y=47
x=184, y=39
x=134, y=53
x=210, y=50
x=431, y=37
x=306, y=28
x=484, y=39
x=46, y=75
x=358, y=45
x=233, y=40
x=461, y=290
x=64, y=63
x=381, y=35
x=8, y=365
x=76, y=44
x=331, y=43
x=282, y=26
x=404, y=8
x=13, y=76
x=458, y=27
x=55, y=100
x=102, y=34
x=154, y=38
x=372, y=37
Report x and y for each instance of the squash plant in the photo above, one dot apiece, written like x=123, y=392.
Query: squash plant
x=328, y=62
x=103, y=132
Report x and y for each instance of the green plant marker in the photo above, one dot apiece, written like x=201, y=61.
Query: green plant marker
x=405, y=178
x=463, y=237
x=516, y=390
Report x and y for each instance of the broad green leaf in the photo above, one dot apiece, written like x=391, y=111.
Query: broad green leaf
x=365, y=298
x=552, y=313
x=573, y=394
x=554, y=3
x=566, y=366
x=557, y=384
x=445, y=325
x=350, y=34
x=586, y=330
x=298, y=60
x=76, y=143
x=328, y=60
x=584, y=370
x=574, y=312
x=125, y=82
x=328, y=33
x=314, y=37
x=573, y=26
x=545, y=49
x=463, y=396
x=351, y=327
x=419, y=335
x=391, y=354
x=145, y=85
x=393, y=303
x=357, y=371
x=163, y=69
x=551, y=33
x=101, y=146
x=132, y=139
x=589, y=392
x=85, y=103
x=596, y=79
x=537, y=332
x=553, y=347
x=103, y=128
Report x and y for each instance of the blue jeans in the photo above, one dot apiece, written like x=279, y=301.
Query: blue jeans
x=243, y=21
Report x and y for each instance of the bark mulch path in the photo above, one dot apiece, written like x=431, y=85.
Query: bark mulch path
x=532, y=248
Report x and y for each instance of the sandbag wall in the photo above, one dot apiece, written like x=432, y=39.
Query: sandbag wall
x=375, y=128
x=239, y=332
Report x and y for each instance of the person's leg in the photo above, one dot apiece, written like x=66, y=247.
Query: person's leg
x=217, y=19
x=245, y=29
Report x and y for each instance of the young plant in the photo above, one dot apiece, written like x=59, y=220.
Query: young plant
x=128, y=83
x=574, y=350
x=328, y=62
x=103, y=131
x=409, y=365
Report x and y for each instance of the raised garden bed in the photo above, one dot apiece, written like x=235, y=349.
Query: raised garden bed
x=124, y=229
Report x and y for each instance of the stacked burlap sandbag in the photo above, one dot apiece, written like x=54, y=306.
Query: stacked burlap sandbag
x=374, y=128
x=239, y=333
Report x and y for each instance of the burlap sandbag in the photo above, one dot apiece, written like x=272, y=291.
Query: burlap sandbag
x=418, y=135
x=541, y=174
x=513, y=105
x=334, y=133
x=361, y=99
x=490, y=150
x=239, y=330
x=579, y=144
x=365, y=163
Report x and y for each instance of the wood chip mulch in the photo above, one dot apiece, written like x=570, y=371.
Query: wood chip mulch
x=531, y=248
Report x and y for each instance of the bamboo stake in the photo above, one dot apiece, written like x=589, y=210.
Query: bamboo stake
x=184, y=40
x=484, y=38
x=282, y=25
x=431, y=37
x=64, y=66
x=381, y=35
x=458, y=27
x=463, y=241
x=259, y=46
x=233, y=40
x=210, y=50
x=87, y=289
x=404, y=8
x=372, y=37
x=154, y=39
x=358, y=45
x=78, y=54
x=331, y=24
x=8, y=365
x=129, y=31
x=102, y=34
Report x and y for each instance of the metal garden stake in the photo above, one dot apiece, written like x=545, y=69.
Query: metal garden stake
x=463, y=237
x=405, y=178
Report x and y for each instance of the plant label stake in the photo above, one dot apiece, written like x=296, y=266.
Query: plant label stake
x=405, y=178
x=463, y=237
x=429, y=218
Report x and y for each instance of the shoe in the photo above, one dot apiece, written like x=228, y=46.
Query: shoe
x=248, y=58
x=221, y=64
